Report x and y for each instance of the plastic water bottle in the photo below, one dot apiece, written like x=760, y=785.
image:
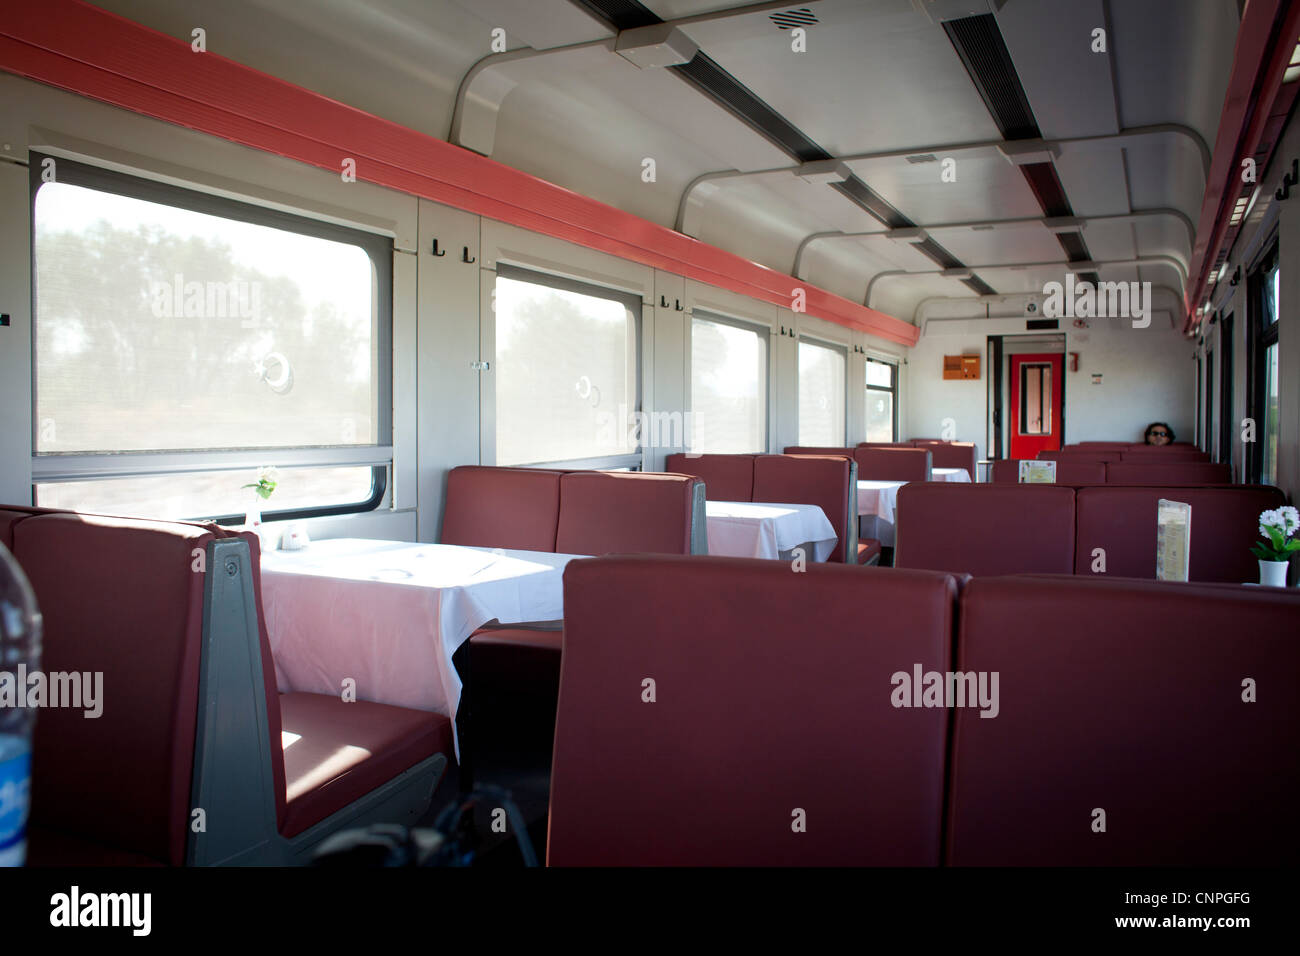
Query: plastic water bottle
x=20, y=647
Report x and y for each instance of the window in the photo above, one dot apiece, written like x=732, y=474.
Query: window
x=567, y=370
x=882, y=401
x=821, y=394
x=183, y=340
x=1035, y=399
x=1225, y=391
x=728, y=387
x=1263, y=371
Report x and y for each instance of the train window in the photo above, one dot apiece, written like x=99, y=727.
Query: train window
x=1035, y=399
x=821, y=394
x=728, y=386
x=882, y=401
x=183, y=340
x=1263, y=352
x=567, y=373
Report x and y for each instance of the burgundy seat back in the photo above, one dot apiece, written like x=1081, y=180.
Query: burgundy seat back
x=1099, y=445
x=843, y=452
x=1127, y=697
x=750, y=733
x=1068, y=472
x=119, y=596
x=1162, y=453
x=512, y=508
x=725, y=477
x=1082, y=454
x=950, y=454
x=893, y=464
x=629, y=512
x=825, y=481
x=985, y=529
x=1186, y=472
x=1122, y=522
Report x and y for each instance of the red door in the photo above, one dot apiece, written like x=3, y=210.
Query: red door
x=1035, y=404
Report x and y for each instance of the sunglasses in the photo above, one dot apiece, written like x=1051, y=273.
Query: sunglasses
x=1159, y=434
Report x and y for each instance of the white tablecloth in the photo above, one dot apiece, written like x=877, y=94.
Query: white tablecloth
x=876, y=503
x=950, y=474
x=390, y=615
x=754, y=529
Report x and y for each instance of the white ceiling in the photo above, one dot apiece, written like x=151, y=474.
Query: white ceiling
x=876, y=76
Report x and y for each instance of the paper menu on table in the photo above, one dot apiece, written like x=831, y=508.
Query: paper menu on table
x=1038, y=472
x=1173, y=540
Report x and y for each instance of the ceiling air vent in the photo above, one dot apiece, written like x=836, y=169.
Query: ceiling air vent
x=801, y=17
x=922, y=158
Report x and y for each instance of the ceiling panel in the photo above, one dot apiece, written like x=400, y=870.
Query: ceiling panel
x=1030, y=243
x=986, y=187
x=875, y=76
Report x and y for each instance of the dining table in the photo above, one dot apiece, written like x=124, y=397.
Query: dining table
x=755, y=529
x=382, y=619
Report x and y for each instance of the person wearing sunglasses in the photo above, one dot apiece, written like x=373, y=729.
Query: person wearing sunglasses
x=1158, y=433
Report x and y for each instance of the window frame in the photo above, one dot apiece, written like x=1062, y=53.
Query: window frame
x=634, y=461
x=1224, y=450
x=51, y=468
x=833, y=347
x=892, y=391
x=1259, y=338
x=764, y=334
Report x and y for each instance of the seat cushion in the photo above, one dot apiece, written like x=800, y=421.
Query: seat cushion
x=337, y=752
x=625, y=512
x=868, y=551
x=545, y=639
x=513, y=508
x=725, y=477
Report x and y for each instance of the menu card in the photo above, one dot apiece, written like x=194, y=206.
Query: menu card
x=1173, y=540
x=1038, y=472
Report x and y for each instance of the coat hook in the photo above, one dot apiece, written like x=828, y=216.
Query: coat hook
x=679, y=304
x=1236, y=276
x=466, y=257
x=1289, y=180
x=663, y=302
x=435, y=249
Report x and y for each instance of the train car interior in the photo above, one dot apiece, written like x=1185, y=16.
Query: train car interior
x=650, y=433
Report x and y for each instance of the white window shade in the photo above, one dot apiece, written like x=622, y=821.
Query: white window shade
x=566, y=373
x=728, y=388
x=821, y=395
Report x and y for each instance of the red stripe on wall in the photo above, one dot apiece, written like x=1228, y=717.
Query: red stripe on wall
x=1265, y=41
x=76, y=47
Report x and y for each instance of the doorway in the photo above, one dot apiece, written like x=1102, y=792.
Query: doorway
x=1036, y=403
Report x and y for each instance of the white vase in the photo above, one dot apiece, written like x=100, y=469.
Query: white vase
x=1273, y=573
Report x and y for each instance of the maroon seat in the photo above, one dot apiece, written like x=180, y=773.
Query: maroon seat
x=1127, y=697
x=986, y=528
x=725, y=477
x=750, y=732
x=345, y=750
x=623, y=512
x=124, y=597
x=1122, y=522
x=1186, y=472
x=512, y=508
x=825, y=481
x=950, y=454
x=1081, y=454
x=869, y=551
x=118, y=597
x=1068, y=472
x=1099, y=445
x=893, y=464
x=841, y=451
x=1163, y=453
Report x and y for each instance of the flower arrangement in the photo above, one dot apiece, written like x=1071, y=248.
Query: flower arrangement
x=1278, y=528
x=267, y=479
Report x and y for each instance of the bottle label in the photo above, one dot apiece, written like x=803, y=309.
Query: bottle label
x=15, y=786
